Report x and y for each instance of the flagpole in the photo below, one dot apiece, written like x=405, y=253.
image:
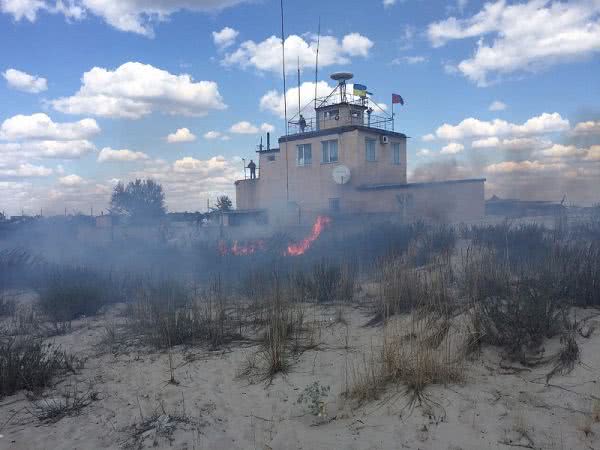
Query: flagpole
x=393, y=115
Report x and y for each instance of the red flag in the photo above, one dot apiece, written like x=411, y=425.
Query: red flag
x=397, y=99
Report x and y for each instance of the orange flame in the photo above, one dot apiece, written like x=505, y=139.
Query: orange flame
x=294, y=249
x=301, y=247
x=238, y=249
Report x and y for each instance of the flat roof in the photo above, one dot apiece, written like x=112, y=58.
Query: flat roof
x=342, y=129
x=377, y=187
x=271, y=150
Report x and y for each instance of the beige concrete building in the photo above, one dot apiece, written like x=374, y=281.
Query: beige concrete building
x=346, y=160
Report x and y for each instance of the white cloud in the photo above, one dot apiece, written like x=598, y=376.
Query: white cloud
x=136, y=16
x=214, y=165
x=417, y=59
x=243, y=127
x=108, y=154
x=557, y=151
x=225, y=38
x=423, y=152
x=267, y=127
x=49, y=149
x=452, y=148
x=522, y=166
x=212, y=135
x=589, y=127
x=267, y=55
x=24, y=82
x=272, y=101
x=181, y=135
x=71, y=180
x=40, y=126
x=593, y=153
x=428, y=138
x=22, y=9
x=388, y=3
x=514, y=144
x=134, y=90
x=471, y=127
x=355, y=44
x=25, y=170
x=497, y=105
x=527, y=36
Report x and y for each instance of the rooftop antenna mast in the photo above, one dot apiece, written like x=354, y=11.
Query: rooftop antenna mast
x=317, y=61
x=287, y=177
x=298, y=87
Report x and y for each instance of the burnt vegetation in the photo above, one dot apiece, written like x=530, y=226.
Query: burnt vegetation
x=441, y=294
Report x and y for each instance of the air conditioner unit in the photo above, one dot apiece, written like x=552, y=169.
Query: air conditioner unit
x=385, y=139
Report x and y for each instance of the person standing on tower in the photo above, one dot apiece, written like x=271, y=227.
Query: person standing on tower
x=252, y=168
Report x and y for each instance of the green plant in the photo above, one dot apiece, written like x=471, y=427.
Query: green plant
x=313, y=397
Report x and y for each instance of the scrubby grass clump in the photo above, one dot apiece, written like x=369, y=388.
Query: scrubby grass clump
x=74, y=292
x=30, y=364
x=166, y=314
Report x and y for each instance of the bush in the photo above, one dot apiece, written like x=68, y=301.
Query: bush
x=326, y=282
x=73, y=292
x=165, y=314
x=30, y=364
x=523, y=319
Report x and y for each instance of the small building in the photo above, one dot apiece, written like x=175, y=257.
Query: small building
x=349, y=160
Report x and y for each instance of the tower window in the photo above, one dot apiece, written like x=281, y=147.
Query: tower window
x=334, y=204
x=396, y=154
x=370, y=154
x=330, y=151
x=304, y=155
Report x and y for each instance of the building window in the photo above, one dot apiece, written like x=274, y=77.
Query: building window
x=304, y=155
x=370, y=154
x=396, y=154
x=334, y=204
x=332, y=114
x=330, y=151
x=271, y=158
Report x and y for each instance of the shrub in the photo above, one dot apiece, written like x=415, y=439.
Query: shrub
x=73, y=292
x=313, y=397
x=165, y=314
x=30, y=364
x=326, y=282
x=522, y=320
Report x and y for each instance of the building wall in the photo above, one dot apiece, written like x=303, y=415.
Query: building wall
x=311, y=187
x=444, y=202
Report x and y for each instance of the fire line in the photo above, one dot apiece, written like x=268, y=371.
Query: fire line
x=293, y=249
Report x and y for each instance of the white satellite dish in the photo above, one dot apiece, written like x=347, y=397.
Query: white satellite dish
x=341, y=174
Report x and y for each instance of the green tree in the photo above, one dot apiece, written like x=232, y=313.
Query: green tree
x=224, y=203
x=140, y=199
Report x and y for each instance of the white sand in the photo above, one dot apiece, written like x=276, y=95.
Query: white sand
x=224, y=412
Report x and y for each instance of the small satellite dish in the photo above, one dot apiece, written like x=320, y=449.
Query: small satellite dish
x=342, y=76
x=341, y=174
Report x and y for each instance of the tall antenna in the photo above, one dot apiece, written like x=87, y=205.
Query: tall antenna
x=287, y=177
x=298, y=87
x=317, y=61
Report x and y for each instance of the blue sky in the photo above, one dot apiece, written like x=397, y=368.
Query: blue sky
x=91, y=90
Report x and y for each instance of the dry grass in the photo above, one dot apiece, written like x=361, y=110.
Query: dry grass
x=414, y=355
x=30, y=364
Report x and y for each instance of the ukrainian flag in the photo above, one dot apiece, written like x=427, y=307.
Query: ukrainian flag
x=360, y=90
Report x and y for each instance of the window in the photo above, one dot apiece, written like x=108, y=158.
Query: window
x=330, y=151
x=331, y=114
x=304, y=155
x=396, y=154
x=334, y=204
x=370, y=150
x=271, y=158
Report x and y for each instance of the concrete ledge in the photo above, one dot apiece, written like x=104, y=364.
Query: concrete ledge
x=378, y=187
